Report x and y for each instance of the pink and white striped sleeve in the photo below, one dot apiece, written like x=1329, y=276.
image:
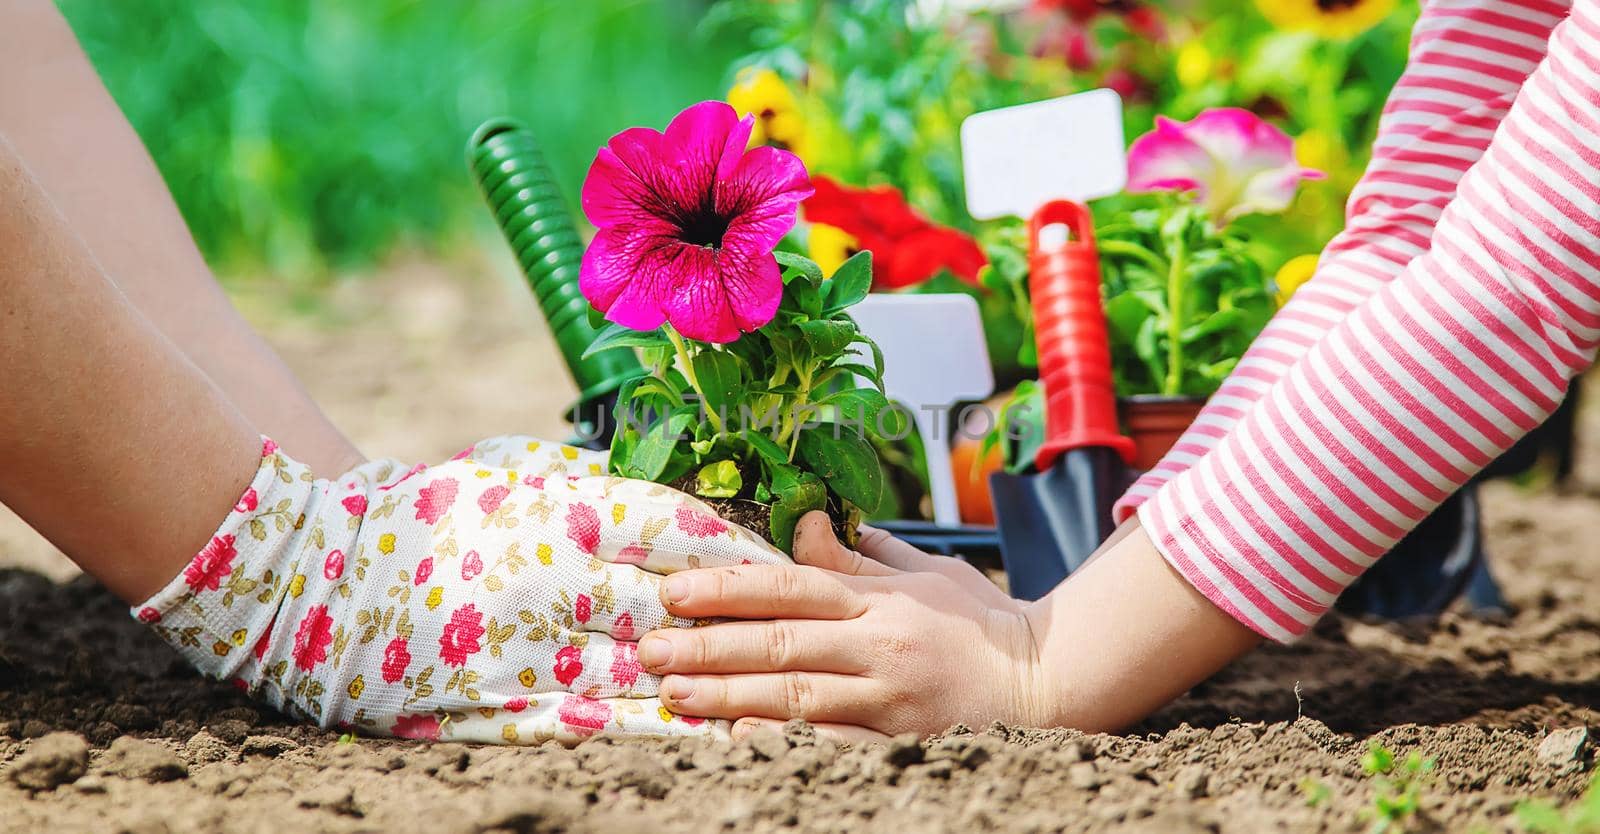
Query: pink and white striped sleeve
x=1422, y=384
x=1468, y=60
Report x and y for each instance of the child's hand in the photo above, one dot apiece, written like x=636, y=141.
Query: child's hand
x=496, y=597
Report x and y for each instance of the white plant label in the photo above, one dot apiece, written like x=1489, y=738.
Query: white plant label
x=1016, y=159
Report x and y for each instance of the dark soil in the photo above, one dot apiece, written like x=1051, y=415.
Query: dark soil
x=150, y=747
x=756, y=517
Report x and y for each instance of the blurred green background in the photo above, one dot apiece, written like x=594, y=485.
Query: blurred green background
x=303, y=136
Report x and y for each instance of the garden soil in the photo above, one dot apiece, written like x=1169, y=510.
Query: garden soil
x=102, y=728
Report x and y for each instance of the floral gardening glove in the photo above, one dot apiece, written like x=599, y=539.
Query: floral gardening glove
x=494, y=598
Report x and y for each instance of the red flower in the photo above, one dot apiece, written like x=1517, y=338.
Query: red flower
x=424, y=570
x=633, y=554
x=260, y=648
x=355, y=504
x=464, y=452
x=460, y=638
x=416, y=726
x=409, y=472
x=471, y=566
x=582, y=608
x=312, y=639
x=516, y=705
x=434, y=500
x=583, y=527
x=699, y=524
x=333, y=566
x=622, y=627
x=907, y=249
x=396, y=659
x=213, y=562
x=625, y=666
x=569, y=665
x=584, y=715
x=1084, y=10
x=490, y=500
x=247, y=502
x=268, y=447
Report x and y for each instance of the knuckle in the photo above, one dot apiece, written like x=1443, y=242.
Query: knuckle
x=780, y=646
x=785, y=586
x=798, y=696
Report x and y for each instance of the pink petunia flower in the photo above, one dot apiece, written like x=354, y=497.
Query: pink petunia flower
x=396, y=659
x=699, y=524
x=247, y=502
x=312, y=639
x=423, y=727
x=355, y=504
x=490, y=500
x=687, y=223
x=471, y=565
x=583, y=527
x=584, y=715
x=1234, y=161
x=460, y=637
x=213, y=562
x=569, y=664
x=333, y=566
x=625, y=666
x=434, y=500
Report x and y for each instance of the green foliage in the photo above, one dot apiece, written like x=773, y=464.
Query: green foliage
x=298, y=134
x=775, y=416
x=1583, y=817
x=1315, y=791
x=1183, y=300
x=1397, y=798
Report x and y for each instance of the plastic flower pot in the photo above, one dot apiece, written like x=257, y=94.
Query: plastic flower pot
x=1155, y=422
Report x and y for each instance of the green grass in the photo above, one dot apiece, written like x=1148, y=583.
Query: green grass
x=300, y=136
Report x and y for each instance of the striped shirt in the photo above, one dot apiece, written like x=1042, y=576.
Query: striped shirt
x=1442, y=324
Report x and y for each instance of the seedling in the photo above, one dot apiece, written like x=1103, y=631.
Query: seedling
x=1583, y=817
x=1398, y=797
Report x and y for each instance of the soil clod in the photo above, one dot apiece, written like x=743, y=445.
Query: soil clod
x=52, y=760
x=133, y=758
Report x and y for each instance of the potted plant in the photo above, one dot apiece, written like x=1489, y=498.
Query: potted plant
x=762, y=396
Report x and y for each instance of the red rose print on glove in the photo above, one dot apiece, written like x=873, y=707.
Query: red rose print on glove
x=312, y=638
x=434, y=500
x=622, y=627
x=461, y=635
x=333, y=566
x=247, y=502
x=396, y=659
x=355, y=504
x=584, y=714
x=625, y=666
x=471, y=565
x=699, y=525
x=424, y=727
x=424, y=570
x=583, y=527
x=213, y=562
x=569, y=665
x=582, y=608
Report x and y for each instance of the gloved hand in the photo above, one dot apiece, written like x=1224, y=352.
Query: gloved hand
x=494, y=598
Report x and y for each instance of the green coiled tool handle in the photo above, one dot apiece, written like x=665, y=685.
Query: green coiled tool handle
x=527, y=205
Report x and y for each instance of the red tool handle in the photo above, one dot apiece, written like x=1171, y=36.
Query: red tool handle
x=1070, y=327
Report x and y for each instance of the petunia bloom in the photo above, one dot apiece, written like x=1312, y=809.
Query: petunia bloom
x=687, y=223
x=907, y=249
x=1327, y=18
x=1235, y=162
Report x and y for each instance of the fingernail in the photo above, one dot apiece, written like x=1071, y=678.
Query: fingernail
x=655, y=652
x=678, y=689
x=677, y=588
x=742, y=728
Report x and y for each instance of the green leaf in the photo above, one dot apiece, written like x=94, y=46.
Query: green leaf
x=870, y=408
x=597, y=319
x=799, y=266
x=718, y=480
x=766, y=447
x=847, y=463
x=650, y=457
x=614, y=336
x=796, y=492
x=850, y=283
x=856, y=369
x=718, y=373
x=828, y=338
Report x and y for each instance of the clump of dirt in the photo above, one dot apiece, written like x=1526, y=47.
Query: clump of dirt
x=756, y=517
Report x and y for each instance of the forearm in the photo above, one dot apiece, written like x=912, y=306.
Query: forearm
x=87, y=158
x=1125, y=635
x=112, y=444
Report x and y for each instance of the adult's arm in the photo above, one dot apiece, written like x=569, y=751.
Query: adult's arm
x=1468, y=60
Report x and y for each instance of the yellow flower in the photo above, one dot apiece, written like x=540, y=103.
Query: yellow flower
x=569, y=452
x=666, y=715
x=542, y=553
x=1194, y=64
x=618, y=513
x=778, y=119
x=509, y=733
x=527, y=677
x=297, y=585
x=386, y=543
x=483, y=473
x=830, y=247
x=356, y=687
x=435, y=597
x=533, y=445
x=1316, y=149
x=1326, y=18
x=1292, y=274
x=239, y=636
x=222, y=648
